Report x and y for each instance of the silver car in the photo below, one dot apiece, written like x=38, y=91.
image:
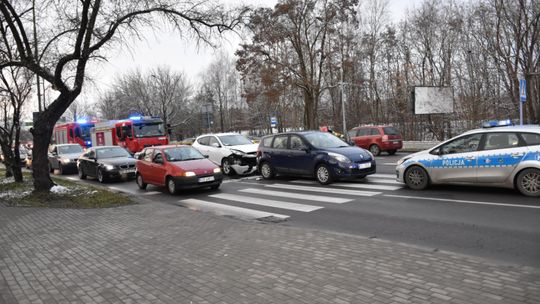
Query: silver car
x=499, y=156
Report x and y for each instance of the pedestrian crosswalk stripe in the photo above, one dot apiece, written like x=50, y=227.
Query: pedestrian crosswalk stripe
x=324, y=190
x=367, y=186
x=265, y=202
x=383, y=181
x=152, y=193
x=317, y=198
x=380, y=175
x=221, y=209
x=353, y=185
x=363, y=182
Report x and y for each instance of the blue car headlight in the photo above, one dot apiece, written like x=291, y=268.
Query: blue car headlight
x=339, y=157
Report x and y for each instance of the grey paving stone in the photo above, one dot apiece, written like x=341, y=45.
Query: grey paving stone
x=157, y=253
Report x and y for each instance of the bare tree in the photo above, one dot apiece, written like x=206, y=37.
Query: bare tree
x=76, y=34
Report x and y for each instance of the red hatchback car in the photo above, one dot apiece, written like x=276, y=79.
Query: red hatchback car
x=176, y=167
x=377, y=139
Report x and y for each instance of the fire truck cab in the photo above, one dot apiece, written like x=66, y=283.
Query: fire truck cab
x=73, y=133
x=134, y=133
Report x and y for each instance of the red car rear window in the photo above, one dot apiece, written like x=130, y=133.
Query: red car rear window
x=390, y=131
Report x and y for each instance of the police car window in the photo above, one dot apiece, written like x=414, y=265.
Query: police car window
x=531, y=139
x=297, y=143
x=148, y=154
x=501, y=141
x=280, y=142
x=463, y=144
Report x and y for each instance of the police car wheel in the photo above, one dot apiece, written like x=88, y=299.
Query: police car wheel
x=528, y=182
x=416, y=178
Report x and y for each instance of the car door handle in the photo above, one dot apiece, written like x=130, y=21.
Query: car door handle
x=470, y=157
x=515, y=155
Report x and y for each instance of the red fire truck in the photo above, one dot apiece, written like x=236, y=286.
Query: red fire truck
x=134, y=133
x=73, y=133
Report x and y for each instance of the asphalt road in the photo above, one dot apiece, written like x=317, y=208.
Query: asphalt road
x=498, y=224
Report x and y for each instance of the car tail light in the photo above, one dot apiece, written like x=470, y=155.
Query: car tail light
x=385, y=138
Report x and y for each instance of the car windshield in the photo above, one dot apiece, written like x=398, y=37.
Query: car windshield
x=181, y=154
x=70, y=149
x=390, y=131
x=235, y=140
x=112, y=153
x=324, y=140
x=148, y=130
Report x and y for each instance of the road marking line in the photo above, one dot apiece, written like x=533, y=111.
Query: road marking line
x=220, y=209
x=379, y=175
x=309, y=197
x=265, y=202
x=367, y=186
x=355, y=185
x=152, y=193
x=324, y=190
x=383, y=181
x=123, y=190
x=462, y=201
x=389, y=164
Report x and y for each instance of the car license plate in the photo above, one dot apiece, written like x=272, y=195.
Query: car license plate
x=127, y=171
x=364, y=166
x=206, y=179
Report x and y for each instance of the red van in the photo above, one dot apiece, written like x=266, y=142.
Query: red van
x=176, y=167
x=377, y=139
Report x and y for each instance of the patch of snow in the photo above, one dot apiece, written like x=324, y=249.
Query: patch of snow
x=6, y=181
x=60, y=190
x=14, y=194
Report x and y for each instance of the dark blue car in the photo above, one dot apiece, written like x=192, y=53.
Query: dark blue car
x=313, y=153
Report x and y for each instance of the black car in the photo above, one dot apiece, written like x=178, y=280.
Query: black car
x=63, y=157
x=313, y=153
x=105, y=163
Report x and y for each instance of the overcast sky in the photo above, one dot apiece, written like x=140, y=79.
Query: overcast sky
x=180, y=54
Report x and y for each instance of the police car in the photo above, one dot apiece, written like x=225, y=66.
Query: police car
x=497, y=155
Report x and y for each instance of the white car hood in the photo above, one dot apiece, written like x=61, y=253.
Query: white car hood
x=245, y=148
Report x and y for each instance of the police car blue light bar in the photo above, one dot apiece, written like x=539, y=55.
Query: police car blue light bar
x=497, y=123
x=136, y=117
x=82, y=120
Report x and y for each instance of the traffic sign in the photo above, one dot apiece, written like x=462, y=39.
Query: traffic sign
x=273, y=121
x=523, y=90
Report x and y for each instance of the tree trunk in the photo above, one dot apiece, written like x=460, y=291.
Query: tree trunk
x=42, y=133
x=310, y=112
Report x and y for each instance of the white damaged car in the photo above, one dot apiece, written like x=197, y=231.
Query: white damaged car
x=235, y=153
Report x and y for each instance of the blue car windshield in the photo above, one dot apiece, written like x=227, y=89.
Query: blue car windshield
x=180, y=154
x=323, y=140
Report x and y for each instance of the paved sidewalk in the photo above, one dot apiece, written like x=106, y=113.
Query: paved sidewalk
x=157, y=253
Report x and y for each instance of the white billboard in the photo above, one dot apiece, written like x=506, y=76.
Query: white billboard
x=433, y=100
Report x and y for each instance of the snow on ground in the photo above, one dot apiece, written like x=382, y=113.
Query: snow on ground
x=14, y=194
x=60, y=190
x=5, y=181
